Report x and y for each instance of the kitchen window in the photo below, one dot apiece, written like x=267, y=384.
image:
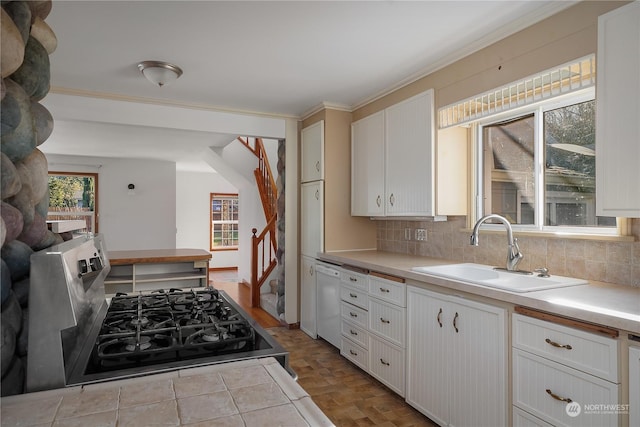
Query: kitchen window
x=224, y=221
x=73, y=196
x=536, y=166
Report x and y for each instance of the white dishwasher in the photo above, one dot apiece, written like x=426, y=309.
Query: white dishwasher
x=328, y=302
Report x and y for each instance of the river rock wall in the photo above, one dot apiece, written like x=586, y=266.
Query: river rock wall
x=27, y=41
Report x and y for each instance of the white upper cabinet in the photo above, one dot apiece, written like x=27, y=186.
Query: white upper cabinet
x=618, y=113
x=312, y=148
x=392, y=159
x=409, y=177
x=367, y=166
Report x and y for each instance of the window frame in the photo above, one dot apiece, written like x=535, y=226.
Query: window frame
x=93, y=216
x=213, y=196
x=537, y=109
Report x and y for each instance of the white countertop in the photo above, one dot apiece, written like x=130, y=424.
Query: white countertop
x=601, y=303
x=255, y=392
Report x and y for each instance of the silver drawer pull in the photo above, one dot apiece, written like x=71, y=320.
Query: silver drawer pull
x=352, y=314
x=384, y=362
x=556, y=397
x=353, y=353
x=555, y=344
x=383, y=320
x=353, y=332
x=384, y=290
x=353, y=295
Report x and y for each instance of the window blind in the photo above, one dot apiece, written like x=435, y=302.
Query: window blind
x=560, y=80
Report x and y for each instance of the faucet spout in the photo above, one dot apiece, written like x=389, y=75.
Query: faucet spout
x=513, y=250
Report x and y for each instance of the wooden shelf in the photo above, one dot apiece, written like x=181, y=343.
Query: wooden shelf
x=148, y=270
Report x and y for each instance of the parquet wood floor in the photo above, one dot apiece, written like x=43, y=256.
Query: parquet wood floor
x=346, y=394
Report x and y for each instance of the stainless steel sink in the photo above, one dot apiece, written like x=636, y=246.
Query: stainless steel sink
x=486, y=275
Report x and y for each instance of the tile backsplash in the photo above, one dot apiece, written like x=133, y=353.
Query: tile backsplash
x=597, y=260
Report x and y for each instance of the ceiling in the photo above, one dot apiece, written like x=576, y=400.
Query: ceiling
x=276, y=58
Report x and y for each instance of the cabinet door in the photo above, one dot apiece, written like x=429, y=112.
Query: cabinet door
x=312, y=218
x=312, y=152
x=409, y=154
x=634, y=386
x=428, y=347
x=478, y=359
x=308, y=297
x=367, y=166
x=618, y=109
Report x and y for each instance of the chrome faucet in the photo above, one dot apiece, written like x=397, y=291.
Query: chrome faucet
x=513, y=251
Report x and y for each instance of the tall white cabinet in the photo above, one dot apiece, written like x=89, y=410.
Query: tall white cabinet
x=456, y=359
x=393, y=160
x=618, y=110
x=311, y=220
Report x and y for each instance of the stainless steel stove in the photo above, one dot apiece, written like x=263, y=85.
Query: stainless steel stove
x=76, y=337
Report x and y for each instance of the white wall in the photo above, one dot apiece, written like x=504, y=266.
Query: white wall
x=146, y=220
x=192, y=213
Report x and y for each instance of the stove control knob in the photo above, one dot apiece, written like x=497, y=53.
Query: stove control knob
x=96, y=264
x=82, y=266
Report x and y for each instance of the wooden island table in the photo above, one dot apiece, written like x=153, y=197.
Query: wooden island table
x=151, y=269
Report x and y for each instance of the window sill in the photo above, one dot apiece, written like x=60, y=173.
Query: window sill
x=556, y=235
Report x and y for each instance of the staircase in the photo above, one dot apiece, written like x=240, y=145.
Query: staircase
x=264, y=245
x=269, y=300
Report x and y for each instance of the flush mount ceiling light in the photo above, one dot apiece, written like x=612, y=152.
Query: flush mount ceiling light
x=159, y=73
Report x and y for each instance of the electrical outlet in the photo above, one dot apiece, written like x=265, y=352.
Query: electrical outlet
x=421, y=234
x=407, y=234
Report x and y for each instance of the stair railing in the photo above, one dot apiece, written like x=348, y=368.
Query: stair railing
x=263, y=253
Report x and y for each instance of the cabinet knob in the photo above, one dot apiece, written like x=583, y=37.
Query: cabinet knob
x=353, y=353
x=353, y=295
x=318, y=165
x=384, y=362
x=392, y=199
x=438, y=318
x=384, y=290
x=383, y=320
x=317, y=195
x=352, y=314
x=378, y=200
x=352, y=332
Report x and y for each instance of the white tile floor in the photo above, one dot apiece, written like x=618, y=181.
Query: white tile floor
x=247, y=393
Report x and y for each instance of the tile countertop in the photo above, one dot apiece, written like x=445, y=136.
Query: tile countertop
x=601, y=303
x=257, y=392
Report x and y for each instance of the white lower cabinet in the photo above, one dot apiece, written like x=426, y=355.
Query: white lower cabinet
x=308, y=297
x=386, y=363
x=456, y=359
x=373, y=326
x=563, y=375
x=634, y=386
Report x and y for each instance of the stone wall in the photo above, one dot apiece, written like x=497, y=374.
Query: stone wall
x=597, y=260
x=27, y=42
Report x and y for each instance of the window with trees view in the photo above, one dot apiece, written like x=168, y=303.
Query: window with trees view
x=73, y=196
x=224, y=221
x=538, y=166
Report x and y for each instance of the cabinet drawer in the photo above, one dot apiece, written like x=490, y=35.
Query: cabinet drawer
x=354, y=353
x=388, y=321
x=355, y=279
x=588, y=352
x=354, y=296
x=388, y=290
x=355, y=333
x=387, y=364
x=354, y=314
x=525, y=419
x=535, y=378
